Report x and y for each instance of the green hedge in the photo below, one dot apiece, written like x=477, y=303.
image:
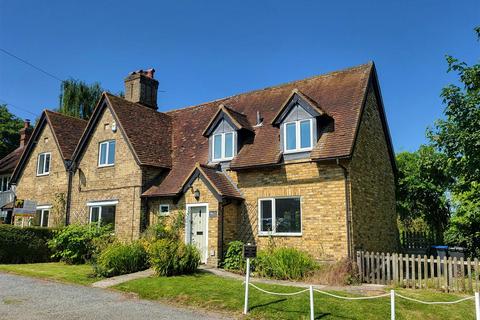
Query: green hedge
x=24, y=245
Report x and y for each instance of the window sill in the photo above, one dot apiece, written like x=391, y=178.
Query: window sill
x=297, y=151
x=222, y=160
x=106, y=165
x=43, y=174
x=265, y=234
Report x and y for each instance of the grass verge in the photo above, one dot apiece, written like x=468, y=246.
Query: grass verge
x=79, y=274
x=215, y=293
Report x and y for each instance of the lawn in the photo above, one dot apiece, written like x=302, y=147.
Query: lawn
x=79, y=274
x=221, y=294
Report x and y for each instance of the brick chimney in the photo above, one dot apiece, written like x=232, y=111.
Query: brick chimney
x=25, y=133
x=141, y=87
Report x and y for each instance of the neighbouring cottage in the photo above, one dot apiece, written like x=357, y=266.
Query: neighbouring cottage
x=307, y=164
x=7, y=165
x=42, y=173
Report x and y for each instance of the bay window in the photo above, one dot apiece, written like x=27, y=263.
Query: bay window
x=280, y=216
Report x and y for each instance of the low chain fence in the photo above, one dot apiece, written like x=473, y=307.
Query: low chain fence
x=392, y=295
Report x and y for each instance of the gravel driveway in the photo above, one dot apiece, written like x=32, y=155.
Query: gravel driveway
x=32, y=299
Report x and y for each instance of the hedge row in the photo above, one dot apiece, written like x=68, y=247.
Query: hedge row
x=24, y=245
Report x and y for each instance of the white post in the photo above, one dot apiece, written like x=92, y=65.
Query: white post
x=312, y=312
x=477, y=305
x=247, y=279
x=392, y=304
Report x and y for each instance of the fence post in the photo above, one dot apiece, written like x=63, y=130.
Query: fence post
x=247, y=279
x=392, y=304
x=477, y=305
x=312, y=312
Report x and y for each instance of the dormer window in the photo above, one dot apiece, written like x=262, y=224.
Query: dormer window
x=223, y=146
x=298, y=136
x=226, y=131
x=298, y=122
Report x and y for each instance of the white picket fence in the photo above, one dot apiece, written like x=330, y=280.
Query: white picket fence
x=392, y=296
x=416, y=271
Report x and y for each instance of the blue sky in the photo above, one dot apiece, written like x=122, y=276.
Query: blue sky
x=207, y=50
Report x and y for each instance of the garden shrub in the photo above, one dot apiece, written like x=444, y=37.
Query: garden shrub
x=284, y=264
x=120, y=258
x=76, y=244
x=24, y=245
x=169, y=257
x=234, y=260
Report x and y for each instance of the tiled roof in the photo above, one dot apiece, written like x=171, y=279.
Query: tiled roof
x=148, y=131
x=9, y=162
x=67, y=131
x=220, y=182
x=340, y=94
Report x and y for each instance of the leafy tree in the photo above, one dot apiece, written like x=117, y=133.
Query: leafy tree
x=78, y=99
x=9, y=127
x=421, y=191
x=458, y=137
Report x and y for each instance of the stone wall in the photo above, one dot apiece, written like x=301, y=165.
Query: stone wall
x=122, y=181
x=374, y=218
x=47, y=189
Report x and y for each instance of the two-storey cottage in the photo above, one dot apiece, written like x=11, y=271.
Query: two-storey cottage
x=307, y=164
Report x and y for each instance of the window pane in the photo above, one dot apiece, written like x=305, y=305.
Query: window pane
x=266, y=215
x=94, y=212
x=108, y=215
x=47, y=163
x=46, y=213
x=36, y=219
x=41, y=164
x=291, y=136
x=217, y=146
x=287, y=215
x=164, y=209
x=305, y=134
x=111, y=152
x=103, y=153
x=228, y=145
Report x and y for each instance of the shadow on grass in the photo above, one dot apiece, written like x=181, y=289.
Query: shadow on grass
x=267, y=304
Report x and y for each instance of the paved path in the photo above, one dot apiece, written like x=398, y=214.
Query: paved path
x=113, y=281
x=23, y=298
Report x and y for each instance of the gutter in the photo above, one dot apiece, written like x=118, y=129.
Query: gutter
x=347, y=207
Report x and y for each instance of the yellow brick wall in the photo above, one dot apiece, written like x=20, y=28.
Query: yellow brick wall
x=322, y=193
x=45, y=190
x=122, y=182
x=373, y=186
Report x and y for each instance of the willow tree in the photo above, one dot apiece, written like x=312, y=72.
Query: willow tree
x=78, y=99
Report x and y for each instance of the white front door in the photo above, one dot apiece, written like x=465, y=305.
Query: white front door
x=197, y=228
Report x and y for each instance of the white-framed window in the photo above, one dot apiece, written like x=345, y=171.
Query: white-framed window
x=106, y=153
x=4, y=183
x=102, y=214
x=43, y=164
x=41, y=216
x=223, y=146
x=298, y=136
x=164, y=209
x=280, y=216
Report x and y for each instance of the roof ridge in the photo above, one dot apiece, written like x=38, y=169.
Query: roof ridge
x=328, y=74
x=64, y=115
